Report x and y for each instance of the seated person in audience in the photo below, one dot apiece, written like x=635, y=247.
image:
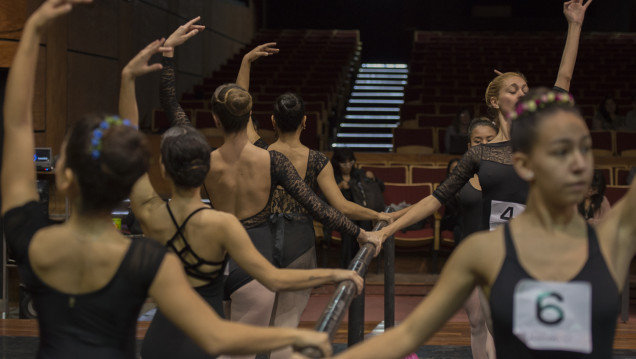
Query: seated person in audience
x=606, y=117
x=595, y=204
x=630, y=118
x=347, y=176
x=457, y=132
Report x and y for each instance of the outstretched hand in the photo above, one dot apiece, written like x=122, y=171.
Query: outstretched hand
x=260, y=51
x=574, y=11
x=184, y=32
x=139, y=66
x=52, y=9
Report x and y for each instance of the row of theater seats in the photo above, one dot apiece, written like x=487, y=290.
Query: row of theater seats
x=431, y=238
x=410, y=139
x=451, y=70
x=313, y=63
x=615, y=175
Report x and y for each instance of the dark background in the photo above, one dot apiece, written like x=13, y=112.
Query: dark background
x=387, y=26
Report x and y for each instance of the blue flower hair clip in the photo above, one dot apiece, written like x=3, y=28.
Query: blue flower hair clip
x=98, y=133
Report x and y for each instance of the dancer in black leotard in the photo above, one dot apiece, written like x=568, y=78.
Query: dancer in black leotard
x=238, y=183
x=480, y=132
x=88, y=280
x=553, y=281
x=504, y=193
x=200, y=238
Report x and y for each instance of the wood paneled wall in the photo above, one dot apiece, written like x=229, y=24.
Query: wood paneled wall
x=83, y=53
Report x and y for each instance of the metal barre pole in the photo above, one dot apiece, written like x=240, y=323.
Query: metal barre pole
x=333, y=314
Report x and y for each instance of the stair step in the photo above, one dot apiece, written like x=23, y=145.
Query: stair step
x=373, y=108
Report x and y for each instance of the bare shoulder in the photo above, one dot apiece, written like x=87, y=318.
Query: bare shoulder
x=218, y=221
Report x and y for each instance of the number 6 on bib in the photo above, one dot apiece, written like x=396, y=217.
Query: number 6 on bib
x=553, y=315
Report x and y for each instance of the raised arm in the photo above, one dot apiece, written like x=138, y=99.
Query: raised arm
x=352, y=210
x=167, y=88
x=18, y=175
x=143, y=196
x=243, y=80
x=574, y=12
x=189, y=312
x=243, y=77
x=239, y=246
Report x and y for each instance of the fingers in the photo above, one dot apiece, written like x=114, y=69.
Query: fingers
x=191, y=22
x=499, y=73
x=325, y=346
x=587, y=4
x=359, y=282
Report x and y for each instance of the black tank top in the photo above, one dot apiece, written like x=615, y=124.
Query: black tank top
x=604, y=306
x=179, y=244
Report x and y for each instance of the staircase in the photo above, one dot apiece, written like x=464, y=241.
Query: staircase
x=372, y=111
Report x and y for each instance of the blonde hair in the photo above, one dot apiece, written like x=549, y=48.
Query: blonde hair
x=497, y=83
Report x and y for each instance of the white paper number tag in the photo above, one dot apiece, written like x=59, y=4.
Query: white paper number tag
x=502, y=212
x=553, y=315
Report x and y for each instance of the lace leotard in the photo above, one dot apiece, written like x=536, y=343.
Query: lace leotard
x=504, y=193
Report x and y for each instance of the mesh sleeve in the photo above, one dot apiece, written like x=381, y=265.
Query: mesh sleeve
x=465, y=170
x=142, y=264
x=284, y=173
x=168, y=95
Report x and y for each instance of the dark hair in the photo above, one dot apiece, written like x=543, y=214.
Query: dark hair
x=480, y=121
x=450, y=163
x=456, y=121
x=523, y=132
x=603, y=111
x=232, y=104
x=105, y=181
x=185, y=153
x=598, y=183
x=341, y=155
x=289, y=110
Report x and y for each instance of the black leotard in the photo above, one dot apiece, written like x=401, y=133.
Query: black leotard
x=164, y=340
x=286, y=211
x=100, y=324
x=470, y=207
x=179, y=244
x=544, y=307
x=504, y=193
x=283, y=173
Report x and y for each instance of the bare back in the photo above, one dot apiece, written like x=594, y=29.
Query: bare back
x=297, y=155
x=239, y=181
x=73, y=263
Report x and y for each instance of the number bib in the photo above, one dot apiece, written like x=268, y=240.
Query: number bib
x=502, y=212
x=553, y=315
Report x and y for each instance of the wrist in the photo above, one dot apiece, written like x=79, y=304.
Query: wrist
x=127, y=75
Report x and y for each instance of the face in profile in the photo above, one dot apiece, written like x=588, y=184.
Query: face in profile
x=561, y=158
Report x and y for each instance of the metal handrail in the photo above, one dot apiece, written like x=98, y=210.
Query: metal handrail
x=333, y=314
